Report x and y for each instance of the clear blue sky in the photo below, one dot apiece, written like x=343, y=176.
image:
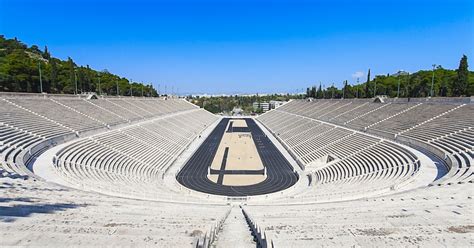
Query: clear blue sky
x=246, y=46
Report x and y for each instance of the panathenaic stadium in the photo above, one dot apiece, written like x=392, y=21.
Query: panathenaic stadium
x=131, y=171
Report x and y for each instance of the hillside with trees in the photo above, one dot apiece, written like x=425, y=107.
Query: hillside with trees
x=446, y=83
x=20, y=68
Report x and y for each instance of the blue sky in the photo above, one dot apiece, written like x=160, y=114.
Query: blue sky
x=246, y=46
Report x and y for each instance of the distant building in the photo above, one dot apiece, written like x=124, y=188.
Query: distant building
x=275, y=104
x=237, y=111
x=265, y=106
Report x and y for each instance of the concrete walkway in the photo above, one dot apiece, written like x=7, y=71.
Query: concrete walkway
x=235, y=231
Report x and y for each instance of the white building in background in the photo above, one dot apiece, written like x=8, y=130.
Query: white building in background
x=265, y=106
x=237, y=111
x=275, y=104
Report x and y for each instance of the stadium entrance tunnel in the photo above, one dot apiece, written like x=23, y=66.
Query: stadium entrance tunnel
x=237, y=159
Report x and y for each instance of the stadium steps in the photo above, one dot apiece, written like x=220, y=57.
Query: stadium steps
x=80, y=113
x=322, y=110
x=369, y=112
x=317, y=172
x=139, y=107
x=232, y=231
x=450, y=135
x=104, y=109
x=348, y=111
x=399, y=113
x=329, y=144
x=303, y=141
x=429, y=120
x=122, y=152
x=139, y=117
x=41, y=116
x=328, y=112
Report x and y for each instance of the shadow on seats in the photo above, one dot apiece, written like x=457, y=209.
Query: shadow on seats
x=19, y=199
x=10, y=213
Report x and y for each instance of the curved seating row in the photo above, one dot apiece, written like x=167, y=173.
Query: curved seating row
x=134, y=158
x=383, y=162
x=446, y=128
x=340, y=158
x=28, y=124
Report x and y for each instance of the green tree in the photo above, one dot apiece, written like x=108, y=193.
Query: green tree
x=443, y=90
x=71, y=86
x=367, y=85
x=19, y=72
x=461, y=84
x=344, y=90
x=46, y=53
x=313, y=91
x=319, y=93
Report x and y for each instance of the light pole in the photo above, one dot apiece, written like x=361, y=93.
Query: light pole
x=99, y=83
x=41, y=80
x=432, y=81
x=357, y=94
x=75, y=80
x=375, y=87
x=344, y=90
x=332, y=91
x=117, y=88
x=408, y=85
x=398, y=90
x=321, y=93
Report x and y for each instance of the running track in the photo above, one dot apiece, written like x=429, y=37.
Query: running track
x=280, y=173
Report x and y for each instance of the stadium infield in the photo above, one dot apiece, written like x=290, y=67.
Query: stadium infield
x=237, y=152
x=237, y=159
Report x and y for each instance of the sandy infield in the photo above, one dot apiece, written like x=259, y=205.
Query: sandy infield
x=242, y=155
x=238, y=123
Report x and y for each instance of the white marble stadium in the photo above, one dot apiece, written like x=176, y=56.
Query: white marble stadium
x=102, y=172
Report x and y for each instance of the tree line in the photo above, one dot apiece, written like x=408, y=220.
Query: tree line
x=452, y=83
x=225, y=104
x=30, y=69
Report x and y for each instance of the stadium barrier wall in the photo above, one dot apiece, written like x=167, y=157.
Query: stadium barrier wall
x=381, y=133
x=26, y=155
x=410, y=141
x=36, y=95
x=432, y=100
x=81, y=96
